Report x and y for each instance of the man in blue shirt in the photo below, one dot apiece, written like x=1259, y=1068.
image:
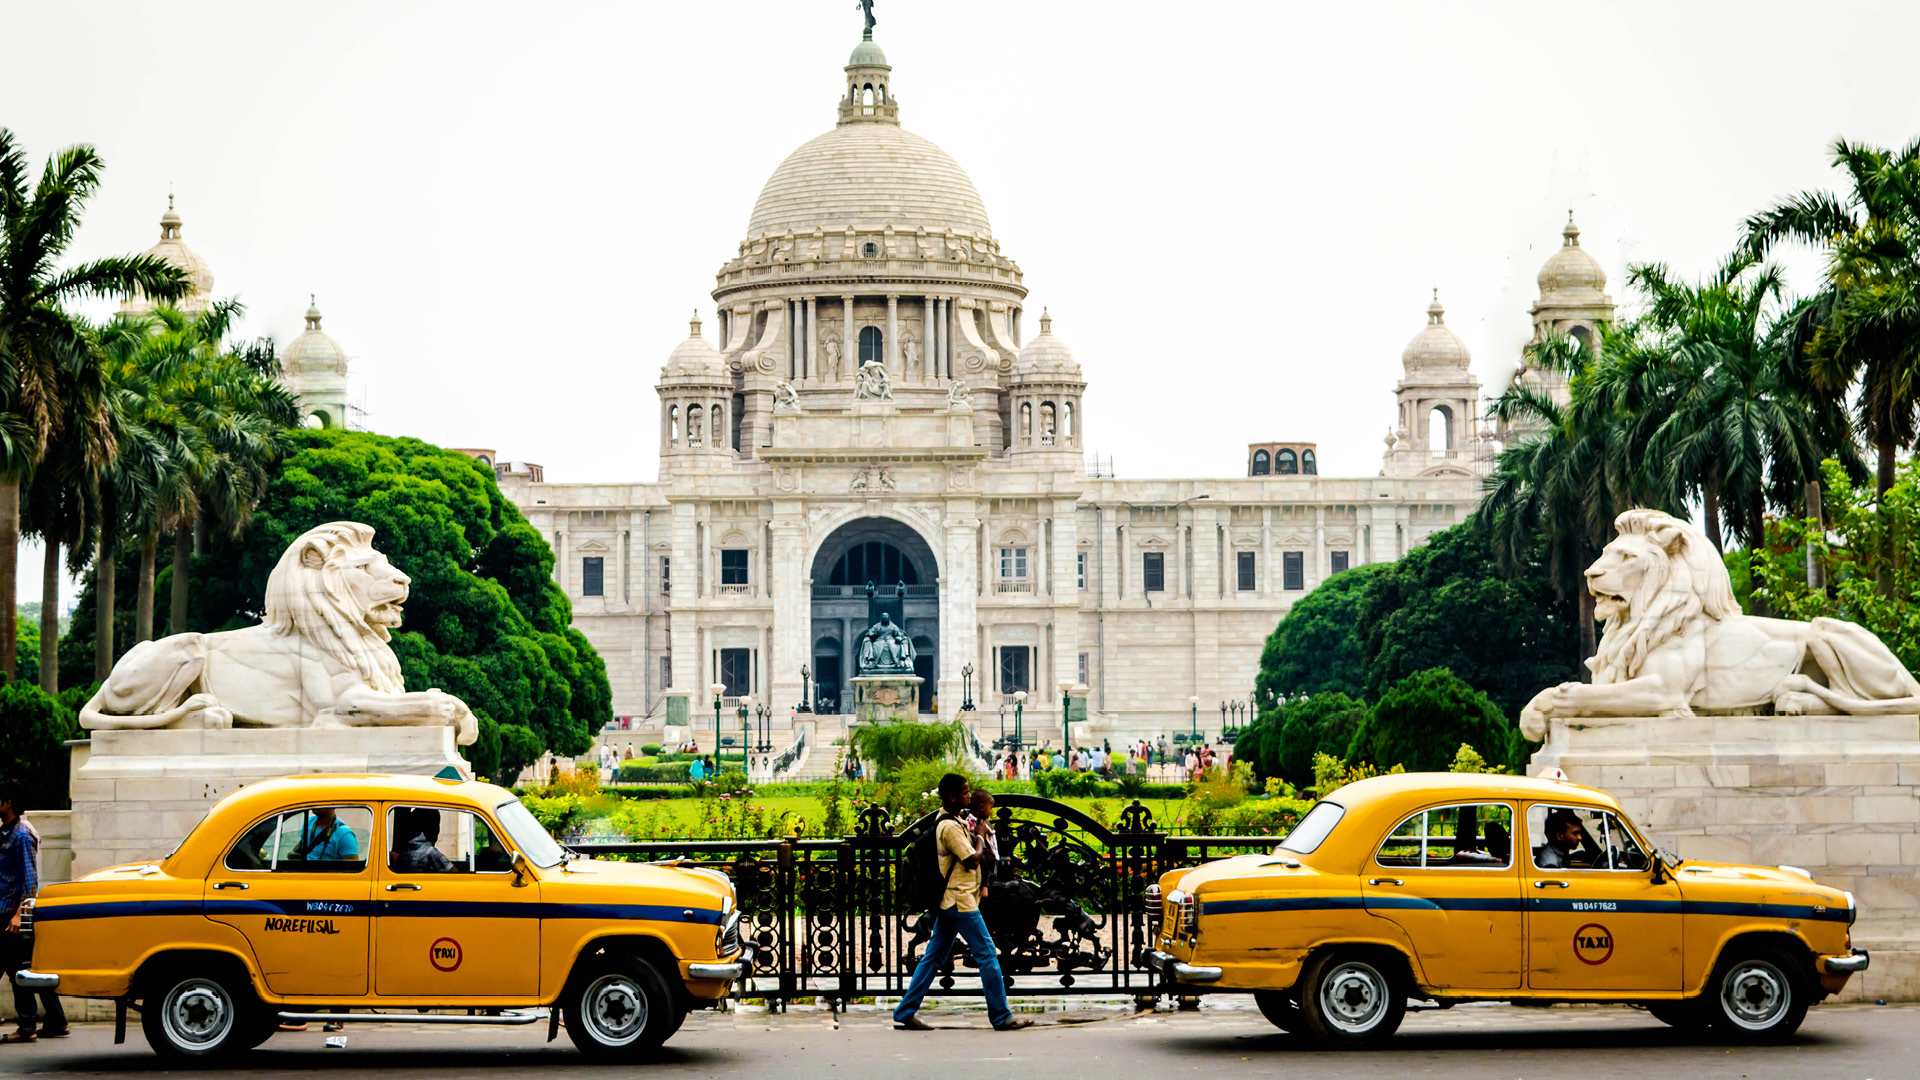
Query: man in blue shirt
x=19, y=882
x=323, y=838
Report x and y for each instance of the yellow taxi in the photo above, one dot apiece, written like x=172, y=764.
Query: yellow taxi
x=1448, y=887
x=368, y=898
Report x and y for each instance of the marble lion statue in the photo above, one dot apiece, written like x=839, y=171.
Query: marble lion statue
x=1675, y=641
x=320, y=659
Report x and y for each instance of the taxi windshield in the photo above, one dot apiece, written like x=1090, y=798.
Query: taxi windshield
x=1312, y=830
x=540, y=849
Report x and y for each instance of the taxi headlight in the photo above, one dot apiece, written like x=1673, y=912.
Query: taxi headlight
x=1853, y=909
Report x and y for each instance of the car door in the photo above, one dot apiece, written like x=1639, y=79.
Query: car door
x=1446, y=876
x=297, y=885
x=451, y=920
x=1595, y=918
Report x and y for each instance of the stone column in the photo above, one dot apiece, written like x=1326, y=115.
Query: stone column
x=1066, y=623
x=943, y=312
x=847, y=633
x=812, y=339
x=893, y=335
x=1268, y=572
x=1175, y=577
x=849, y=340
x=792, y=613
x=1319, y=546
x=683, y=641
x=617, y=593
x=560, y=574
x=927, y=351
x=959, y=610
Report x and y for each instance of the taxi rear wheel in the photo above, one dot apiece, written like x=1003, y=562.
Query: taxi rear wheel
x=195, y=1013
x=1280, y=1008
x=1759, y=995
x=1351, y=999
x=620, y=1007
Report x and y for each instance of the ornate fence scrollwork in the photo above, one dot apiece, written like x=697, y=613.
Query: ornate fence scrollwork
x=835, y=918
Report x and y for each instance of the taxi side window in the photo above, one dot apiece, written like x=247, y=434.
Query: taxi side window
x=310, y=840
x=430, y=840
x=1581, y=838
x=1471, y=835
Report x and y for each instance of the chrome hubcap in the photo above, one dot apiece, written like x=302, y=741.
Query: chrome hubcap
x=1755, y=995
x=198, y=1013
x=1353, y=996
x=616, y=1012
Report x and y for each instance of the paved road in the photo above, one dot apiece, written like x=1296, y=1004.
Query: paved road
x=1477, y=1041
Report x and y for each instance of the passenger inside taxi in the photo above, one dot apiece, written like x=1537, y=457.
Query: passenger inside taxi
x=416, y=831
x=323, y=837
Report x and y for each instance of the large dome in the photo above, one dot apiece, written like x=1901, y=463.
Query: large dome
x=1571, y=274
x=174, y=250
x=869, y=175
x=1435, y=347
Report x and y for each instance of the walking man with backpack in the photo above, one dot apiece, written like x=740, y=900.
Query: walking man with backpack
x=957, y=864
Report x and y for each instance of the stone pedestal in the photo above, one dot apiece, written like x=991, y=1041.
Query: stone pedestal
x=1838, y=796
x=877, y=698
x=137, y=793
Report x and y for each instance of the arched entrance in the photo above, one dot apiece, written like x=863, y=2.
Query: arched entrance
x=887, y=553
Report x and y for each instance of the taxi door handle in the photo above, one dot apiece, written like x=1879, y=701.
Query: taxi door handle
x=1543, y=883
x=407, y=885
x=229, y=884
x=1385, y=881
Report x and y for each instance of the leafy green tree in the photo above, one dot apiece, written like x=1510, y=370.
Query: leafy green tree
x=485, y=620
x=1315, y=649
x=1447, y=604
x=38, y=337
x=890, y=745
x=1282, y=743
x=1421, y=721
x=34, y=728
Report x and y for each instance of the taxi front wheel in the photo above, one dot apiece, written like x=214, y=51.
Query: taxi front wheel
x=1351, y=999
x=619, y=1006
x=1759, y=995
x=199, y=1014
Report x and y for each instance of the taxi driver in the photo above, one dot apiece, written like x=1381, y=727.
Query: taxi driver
x=1568, y=846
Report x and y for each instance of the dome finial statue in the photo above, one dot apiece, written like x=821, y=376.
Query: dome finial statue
x=866, y=8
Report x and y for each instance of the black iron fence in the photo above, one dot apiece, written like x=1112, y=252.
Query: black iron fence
x=835, y=918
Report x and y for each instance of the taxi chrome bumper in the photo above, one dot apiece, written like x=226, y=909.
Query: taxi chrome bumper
x=1178, y=970
x=35, y=980
x=726, y=971
x=1846, y=965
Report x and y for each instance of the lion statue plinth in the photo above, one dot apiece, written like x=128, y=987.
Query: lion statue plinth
x=321, y=658
x=1675, y=643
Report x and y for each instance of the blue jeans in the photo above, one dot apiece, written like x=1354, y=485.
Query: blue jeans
x=971, y=927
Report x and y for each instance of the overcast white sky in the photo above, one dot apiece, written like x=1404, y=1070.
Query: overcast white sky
x=1235, y=211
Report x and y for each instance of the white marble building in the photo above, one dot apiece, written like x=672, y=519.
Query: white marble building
x=782, y=490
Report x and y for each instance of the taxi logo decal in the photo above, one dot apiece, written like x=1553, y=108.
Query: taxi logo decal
x=1593, y=944
x=444, y=954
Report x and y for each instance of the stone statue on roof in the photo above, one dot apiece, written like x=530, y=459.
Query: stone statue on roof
x=873, y=383
x=866, y=8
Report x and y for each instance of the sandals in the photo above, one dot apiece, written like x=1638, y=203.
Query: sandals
x=19, y=1037
x=59, y=1033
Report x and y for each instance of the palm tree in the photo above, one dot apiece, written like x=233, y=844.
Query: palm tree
x=1864, y=325
x=37, y=335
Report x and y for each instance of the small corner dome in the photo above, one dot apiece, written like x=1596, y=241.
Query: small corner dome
x=1046, y=354
x=1435, y=346
x=313, y=352
x=694, y=357
x=867, y=54
x=1571, y=270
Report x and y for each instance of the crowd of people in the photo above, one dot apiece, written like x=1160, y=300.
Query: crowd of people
x=1147, y=758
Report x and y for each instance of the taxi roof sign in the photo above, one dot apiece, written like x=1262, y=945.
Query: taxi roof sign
x=452, y=774
x=1555, y=773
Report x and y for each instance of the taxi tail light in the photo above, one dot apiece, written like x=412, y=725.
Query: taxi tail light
x=1152, y=903
x=1189, y=913
x=26, y=919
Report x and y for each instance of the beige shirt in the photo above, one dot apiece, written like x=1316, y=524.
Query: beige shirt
x=963, y=885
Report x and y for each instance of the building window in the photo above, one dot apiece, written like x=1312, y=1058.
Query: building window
x=593, y=570
x=1243, y=563
x=733, y=566
x=870, y=249
x=1085, y=668
x=1285, y=463
x=1262, y=464
x=1307, y=464
x=870, y=346
x=666, y=575
x=1293, y=570
x=696, y=426
x=1080, y=568
x=1339, y=561
x=673, y=425
x=1153, y=571
x=1013, y=564
x=736, y=671
x=666, y=673
x=1016, y=668
x=876, y=561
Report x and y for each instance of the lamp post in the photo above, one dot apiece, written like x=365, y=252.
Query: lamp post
x=966, y=693
x=1194, y=732
x=1223, y=719
x=764, y=727
x=1019, y=704
x=1066, y=712
x=806, y=699
x=1003, y=725
x=718, y=689
x=746, y=706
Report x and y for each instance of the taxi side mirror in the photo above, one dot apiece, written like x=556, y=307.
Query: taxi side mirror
x=520, y=873
x=1659, y=869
